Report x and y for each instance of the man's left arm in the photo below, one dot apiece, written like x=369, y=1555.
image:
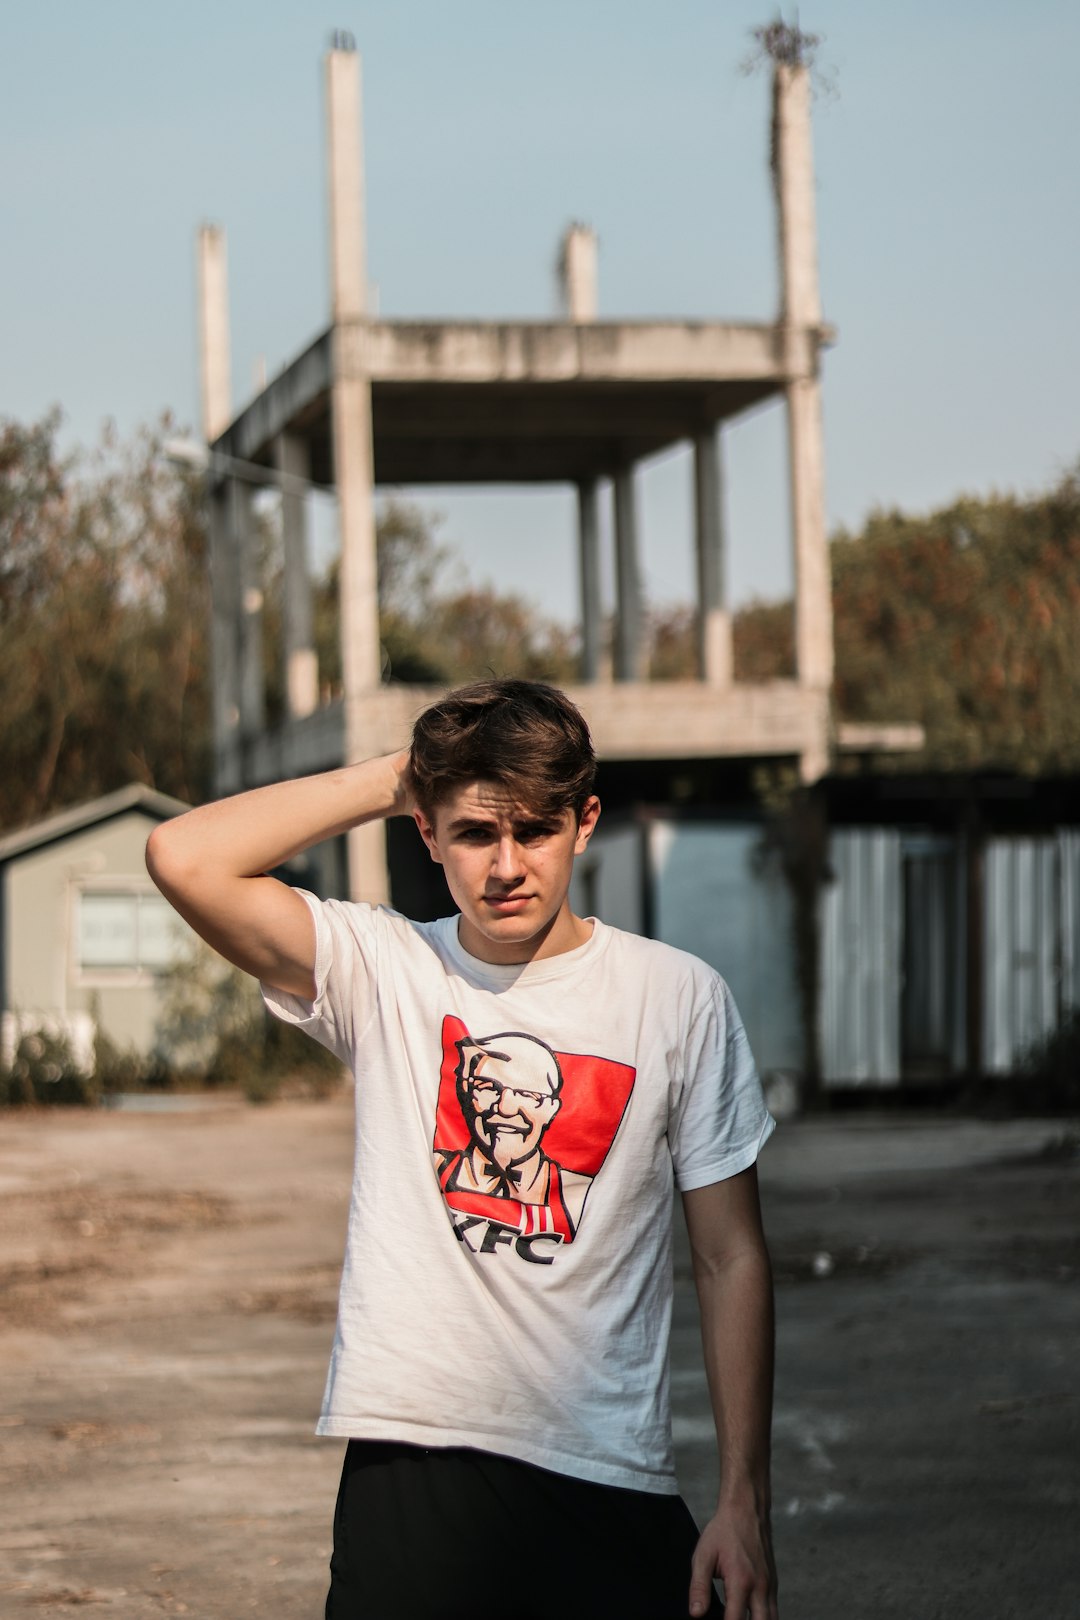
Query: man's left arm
x=734, y=1287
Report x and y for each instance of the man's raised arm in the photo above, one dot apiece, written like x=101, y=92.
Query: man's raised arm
x=210, y=864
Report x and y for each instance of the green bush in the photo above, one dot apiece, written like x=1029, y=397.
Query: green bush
x=44, y=1069
x=214, y=1030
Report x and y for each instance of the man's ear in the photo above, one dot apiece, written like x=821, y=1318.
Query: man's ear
x=590, y=815
x=427, y=833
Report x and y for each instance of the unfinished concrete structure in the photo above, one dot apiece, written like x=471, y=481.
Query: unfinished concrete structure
x=577, y=400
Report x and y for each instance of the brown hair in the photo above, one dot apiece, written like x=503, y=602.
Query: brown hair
x=525, y=736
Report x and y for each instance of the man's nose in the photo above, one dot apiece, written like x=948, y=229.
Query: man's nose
x=507, y=1103
x=507, y=863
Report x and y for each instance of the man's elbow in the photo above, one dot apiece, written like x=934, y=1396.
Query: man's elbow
x=165, y=861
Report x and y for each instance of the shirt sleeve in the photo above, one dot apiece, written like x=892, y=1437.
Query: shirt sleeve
x=720, y=1122
x=346, y=965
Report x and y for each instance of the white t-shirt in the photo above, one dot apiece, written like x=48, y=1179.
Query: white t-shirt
x=508, y=1275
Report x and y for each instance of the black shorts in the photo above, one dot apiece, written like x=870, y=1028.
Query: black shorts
x=434, y=1534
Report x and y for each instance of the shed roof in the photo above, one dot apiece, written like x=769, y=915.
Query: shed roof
x=136, y=796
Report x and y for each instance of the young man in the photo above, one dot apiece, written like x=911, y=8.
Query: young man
x=530, y=1085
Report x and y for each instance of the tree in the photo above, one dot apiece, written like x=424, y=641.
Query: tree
x=436, y=626
x=968, y=621
x=103, y=623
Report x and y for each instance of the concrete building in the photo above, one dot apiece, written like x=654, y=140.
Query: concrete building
x=577, y=400
x=584, y=402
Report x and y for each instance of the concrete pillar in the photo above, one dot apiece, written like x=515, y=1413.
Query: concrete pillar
x=214, y=332
x=800, y=317
x=800, y=299
x=589, y=559
x=577, y=272
x=715, y=656
x=348, y=260
x=244, y=534
x=353, y=456
x=225, y=643
x=630, y=651
x=300, y=660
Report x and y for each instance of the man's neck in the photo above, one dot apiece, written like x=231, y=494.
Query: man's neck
x=565, y=932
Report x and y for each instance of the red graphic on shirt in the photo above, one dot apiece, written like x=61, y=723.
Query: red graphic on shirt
x=521, y=1131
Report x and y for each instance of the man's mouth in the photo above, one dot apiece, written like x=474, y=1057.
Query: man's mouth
x=506, y=902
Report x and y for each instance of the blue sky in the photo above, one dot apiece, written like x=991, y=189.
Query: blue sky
x=947, y=155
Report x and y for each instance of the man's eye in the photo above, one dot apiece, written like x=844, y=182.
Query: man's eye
x=534, y=833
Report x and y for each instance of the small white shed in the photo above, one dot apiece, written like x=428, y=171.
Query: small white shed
x=84, y=935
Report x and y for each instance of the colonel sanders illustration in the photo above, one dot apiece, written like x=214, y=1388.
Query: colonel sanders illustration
x=508, y=1089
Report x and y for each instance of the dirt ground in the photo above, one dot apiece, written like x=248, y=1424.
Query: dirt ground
x=167, y=1288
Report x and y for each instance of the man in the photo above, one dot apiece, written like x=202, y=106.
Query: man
x=503, y=1387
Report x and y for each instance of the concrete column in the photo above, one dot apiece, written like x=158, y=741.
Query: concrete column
x=225, y=643
x=214, y=332
x=813, y=576
x=353, y=455
x=800, y=316
x=630, y=652
x=589, y=560
x=577, y=271
x=716, y=660
x=300, y=660
x=348, y=262
x=793, y=174
x=245, y=537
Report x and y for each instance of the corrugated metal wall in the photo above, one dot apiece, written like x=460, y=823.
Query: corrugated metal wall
x=715, y=897
x=1031, y=973
x=1069, y=856
x=861, y=959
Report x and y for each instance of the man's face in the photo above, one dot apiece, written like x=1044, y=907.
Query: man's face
x=509, y=871
x=508, y=1098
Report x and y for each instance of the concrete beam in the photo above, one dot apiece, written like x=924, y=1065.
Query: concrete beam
x=553, y=351
x=290, y=400
x=632, y=720
x=880, y=737
x=589, y=560
x=630, y=651
x=214, y=362
x=715, y=656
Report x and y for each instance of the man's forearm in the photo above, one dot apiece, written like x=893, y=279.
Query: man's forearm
x=253, y=832
x=734, y=1287
x=737, y=1335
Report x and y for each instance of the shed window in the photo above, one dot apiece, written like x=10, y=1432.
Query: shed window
x=130, y=932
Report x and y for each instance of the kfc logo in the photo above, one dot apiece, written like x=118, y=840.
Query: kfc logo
x=521, y=1132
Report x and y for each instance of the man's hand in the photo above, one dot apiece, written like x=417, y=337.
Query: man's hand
x=736, y=1546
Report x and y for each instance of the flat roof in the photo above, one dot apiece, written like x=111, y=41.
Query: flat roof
x=519, y=401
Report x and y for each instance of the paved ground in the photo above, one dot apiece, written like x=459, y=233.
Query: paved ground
x=167, y=1288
